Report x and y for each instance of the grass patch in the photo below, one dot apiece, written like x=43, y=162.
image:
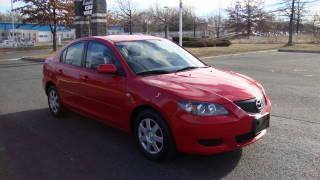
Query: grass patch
x=298, y=39
x=233, y=49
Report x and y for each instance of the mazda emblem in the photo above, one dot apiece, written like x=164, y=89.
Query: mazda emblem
x=259, y=104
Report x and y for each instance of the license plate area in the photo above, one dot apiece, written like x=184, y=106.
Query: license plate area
x=259, y=124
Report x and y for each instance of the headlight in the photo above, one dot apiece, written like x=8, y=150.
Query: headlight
x=203, y=109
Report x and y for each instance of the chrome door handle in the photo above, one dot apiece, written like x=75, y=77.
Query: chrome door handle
x=60, y=71
x=84, y=77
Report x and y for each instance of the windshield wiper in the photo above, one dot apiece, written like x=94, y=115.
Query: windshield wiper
x=153, y=72
x=187, y=68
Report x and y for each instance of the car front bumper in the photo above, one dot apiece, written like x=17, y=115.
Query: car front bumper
x=210, y=135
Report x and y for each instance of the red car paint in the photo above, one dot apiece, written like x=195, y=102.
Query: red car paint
x=112, y=99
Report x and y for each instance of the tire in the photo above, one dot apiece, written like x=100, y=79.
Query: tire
x=54, y=101
x=153, y=136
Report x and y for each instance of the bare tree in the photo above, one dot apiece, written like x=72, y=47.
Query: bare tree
x=290, y=43
x=113, y=17
x=195, y=22
x=216, y=22
x=288, y=8
x=294, y=9
x=127, y=9
x=164, y=15
x=300, y=10
x=234, y=21
x=52, y=12
x=316, y=24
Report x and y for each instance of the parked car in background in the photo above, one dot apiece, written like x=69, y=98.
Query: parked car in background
x=165, y=97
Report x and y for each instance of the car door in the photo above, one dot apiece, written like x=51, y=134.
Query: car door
x=104, y=92
x=68, y=78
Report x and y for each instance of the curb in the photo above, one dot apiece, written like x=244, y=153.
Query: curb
x=238, y=54
x=298, y=51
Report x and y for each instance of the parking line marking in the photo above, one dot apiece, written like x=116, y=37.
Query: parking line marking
x=12, y=59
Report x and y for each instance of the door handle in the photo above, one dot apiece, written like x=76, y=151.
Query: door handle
x=60, y=71
x=84, y=77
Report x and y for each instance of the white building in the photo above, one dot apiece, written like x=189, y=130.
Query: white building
x=34, y=33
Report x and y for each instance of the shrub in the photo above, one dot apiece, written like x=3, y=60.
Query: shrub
x=207, y=43
x=223, y=43
x=176, y=39
x=195, y=44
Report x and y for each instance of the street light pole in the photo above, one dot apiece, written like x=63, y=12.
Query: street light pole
x=166, y=26
x=180, y=23
x=13, y=28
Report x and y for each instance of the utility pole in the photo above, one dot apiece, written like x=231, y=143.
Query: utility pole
x=180, y=23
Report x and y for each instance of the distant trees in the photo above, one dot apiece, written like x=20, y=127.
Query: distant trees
x=164, y=15
x=252, y=15
x=300, y=12
x=197, y=22
x=246, y=16
x=316, y=25
x=234, y=22
x=49, y=12
x=217, y=24
x=127, y=9
x=7, y=17
x=295, y=11
x=290, y=7
x=191, y=21
x=154, y=19
x=113, y=17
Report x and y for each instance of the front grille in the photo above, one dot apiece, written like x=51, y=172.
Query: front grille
x=250, y=105
x=210, y=142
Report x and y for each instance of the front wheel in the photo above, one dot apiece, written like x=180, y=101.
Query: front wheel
x=153, y=136
x=54, y=101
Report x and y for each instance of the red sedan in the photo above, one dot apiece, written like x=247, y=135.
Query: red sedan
x=168, y=99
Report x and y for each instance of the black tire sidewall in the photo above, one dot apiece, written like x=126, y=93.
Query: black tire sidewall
x=168, y=149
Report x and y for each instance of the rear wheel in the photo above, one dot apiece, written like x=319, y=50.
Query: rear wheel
x=54, y=101
x=153, y=136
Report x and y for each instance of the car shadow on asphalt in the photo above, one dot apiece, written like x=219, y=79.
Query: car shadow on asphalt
x=34, y=145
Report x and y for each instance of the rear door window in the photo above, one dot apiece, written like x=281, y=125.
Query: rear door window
x=73, y=55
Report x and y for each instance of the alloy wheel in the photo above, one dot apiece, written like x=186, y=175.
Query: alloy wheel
x=150, y=136
x=54, y=101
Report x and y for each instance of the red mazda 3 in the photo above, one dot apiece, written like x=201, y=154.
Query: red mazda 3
x=168, y=99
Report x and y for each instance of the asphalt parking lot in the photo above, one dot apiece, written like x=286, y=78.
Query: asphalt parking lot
x=33, y=145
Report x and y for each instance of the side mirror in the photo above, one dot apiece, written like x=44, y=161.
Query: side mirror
x=107, y=69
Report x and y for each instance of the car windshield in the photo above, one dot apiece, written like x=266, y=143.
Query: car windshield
x=157, y=57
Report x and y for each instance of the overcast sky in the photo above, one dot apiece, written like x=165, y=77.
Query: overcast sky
x=202, y=7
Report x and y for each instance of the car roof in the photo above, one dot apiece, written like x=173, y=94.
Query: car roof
x=121, y=38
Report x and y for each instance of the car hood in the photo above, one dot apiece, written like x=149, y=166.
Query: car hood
x=206, y=84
